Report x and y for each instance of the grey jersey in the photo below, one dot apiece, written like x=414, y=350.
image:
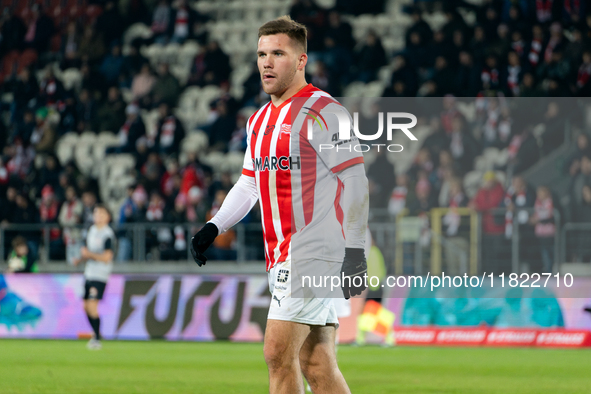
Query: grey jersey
x=97, y=241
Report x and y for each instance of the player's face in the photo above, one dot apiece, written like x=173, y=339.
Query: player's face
x=279, y=59
x=101, y=217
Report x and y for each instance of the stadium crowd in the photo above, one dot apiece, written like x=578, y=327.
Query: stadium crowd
x=515, y=49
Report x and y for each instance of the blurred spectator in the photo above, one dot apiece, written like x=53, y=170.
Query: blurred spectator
x=166, y=88
x=456, y=248
x=453, y=22
x=52, y=90
x=127, y=214
x=170, y=131
x=157, y=237
x=110, y=23
x=528, y=86
x=583, y=85
x=111, y=114
x=420, y=27
x=182, y=19
x=177, y=216
x=423, y=202
x=8, y=205
x=44, y=137
x=443, y=76
x=403, y=73
x=68, y=114
x=20, y=159
x=370, y=58
x=210, y=67
x=582, y=178
x=238, y=139
x=478, y=44
x=12, y=32
x=523, y=150
x=88, y=202
x=463, y=146
x=310, y=14
x=573, y=163
x=535, y=46
x=92, y=47
x=49, y=211
x=21, y=259
x=25, y=90
x=85, y=111
x=380, y=175
x=397, y=201
x=221, y=130
x=3, y=179
x=112, y=65
x=25, y=211
x=133, y=62
x=543, y=220
x=490, y=74
x=496, y=127
x=130, y=131
x=582, y=214
x=511, y=78
x=142, y=83
x=323, y=79
x=70, y=215
x=519, y=196
x=161, y=21
x=339, y=44
x=167, y=186
x=553, y=118
x=49, y=173
x=23, y=130
x=151, y=172
x=92, y=81
x=489, y=197
x=223, y=183
x=70, y=46
x=467, y=79
x=40, y=29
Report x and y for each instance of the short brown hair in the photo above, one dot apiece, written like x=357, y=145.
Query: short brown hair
x=19, y=240
x=285, y=25
x=104, y=208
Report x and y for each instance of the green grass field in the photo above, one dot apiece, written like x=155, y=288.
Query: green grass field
x=64, y=367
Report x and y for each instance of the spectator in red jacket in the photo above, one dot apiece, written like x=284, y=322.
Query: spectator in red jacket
x=489, y=197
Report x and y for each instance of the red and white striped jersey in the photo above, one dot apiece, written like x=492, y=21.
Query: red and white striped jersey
x=299, y=192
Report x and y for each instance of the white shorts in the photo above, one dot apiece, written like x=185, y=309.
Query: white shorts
x=312, y=311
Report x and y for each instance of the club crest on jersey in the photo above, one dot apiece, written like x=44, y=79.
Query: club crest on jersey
x=269, y=129
x=274, y=163
x=282, y=276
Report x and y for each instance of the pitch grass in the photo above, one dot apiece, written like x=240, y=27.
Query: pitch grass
x=64, y=367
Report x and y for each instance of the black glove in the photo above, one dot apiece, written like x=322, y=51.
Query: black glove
x=201, y=241
x=354, y=266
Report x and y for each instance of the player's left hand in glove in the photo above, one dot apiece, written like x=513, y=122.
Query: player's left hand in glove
x=354, y=265
x=201, y=241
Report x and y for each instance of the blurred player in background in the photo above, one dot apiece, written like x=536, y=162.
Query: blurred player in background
x=300, y=332
x=98, y=254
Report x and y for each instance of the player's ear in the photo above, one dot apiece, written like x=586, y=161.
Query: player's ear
x=303, y=60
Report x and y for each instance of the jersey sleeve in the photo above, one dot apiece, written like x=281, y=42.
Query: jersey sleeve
x=335, y=152
x=247, y=165
x=108, y=244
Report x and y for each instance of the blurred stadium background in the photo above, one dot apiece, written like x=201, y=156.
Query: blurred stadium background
x=142, y=105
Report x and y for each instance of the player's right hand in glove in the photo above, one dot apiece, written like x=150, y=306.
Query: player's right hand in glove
x=201, y=241
x=354, y=266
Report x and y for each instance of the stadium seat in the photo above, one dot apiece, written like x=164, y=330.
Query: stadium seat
x=72, y=78
x=137, y=30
